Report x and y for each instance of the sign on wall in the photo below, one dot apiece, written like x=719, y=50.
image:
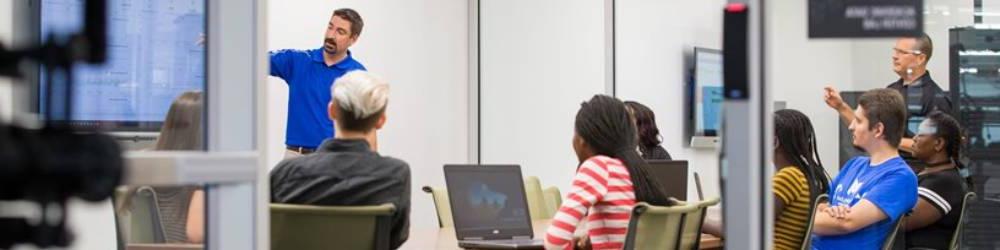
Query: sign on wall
x=865, y=18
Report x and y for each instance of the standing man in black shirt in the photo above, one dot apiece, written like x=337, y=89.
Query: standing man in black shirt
x=921, y=94
x=347, y=170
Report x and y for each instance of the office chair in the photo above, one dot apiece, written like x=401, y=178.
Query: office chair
x=146, y=224
x=656, y=227
x=807, y=238
x=306, y=227
x=896, y=236
x=553, y=200
x=691, y=235
x=441, y=205
x=956, y=239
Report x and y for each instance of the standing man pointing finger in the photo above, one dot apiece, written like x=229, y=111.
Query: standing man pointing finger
x=310, y=75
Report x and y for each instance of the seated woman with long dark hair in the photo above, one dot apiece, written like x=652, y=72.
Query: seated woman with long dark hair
x=610, y=179
x=649, y=135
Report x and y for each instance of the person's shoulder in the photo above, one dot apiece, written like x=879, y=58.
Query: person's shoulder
x=293, y=164
x=899, y=164
x=942, y=178
x=353, y=63
x=292, y=52
x=602, y=161
x=790, y=172
x=857, y=161
x=395, y=164
x=898, y=84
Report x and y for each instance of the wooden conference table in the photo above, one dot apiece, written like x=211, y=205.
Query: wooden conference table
x=444, y=238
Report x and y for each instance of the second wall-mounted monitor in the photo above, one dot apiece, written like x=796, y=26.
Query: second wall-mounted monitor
x=705, y=100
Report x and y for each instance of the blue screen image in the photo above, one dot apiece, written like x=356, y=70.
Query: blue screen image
x=711, y=107
x=156, y=51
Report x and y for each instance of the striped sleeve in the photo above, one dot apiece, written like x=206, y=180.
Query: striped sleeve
x=784, y=186
x=934, y=199
x=589, y=186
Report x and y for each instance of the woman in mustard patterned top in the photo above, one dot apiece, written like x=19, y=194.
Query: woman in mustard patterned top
x=800, y=177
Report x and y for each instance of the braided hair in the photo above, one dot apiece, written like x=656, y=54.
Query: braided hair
x=795, y=134
x=951, y=131
x=604, y=124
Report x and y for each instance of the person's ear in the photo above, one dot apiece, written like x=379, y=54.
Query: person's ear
x=381, y=121
x=352, y=39
x=331, y=110
x=879, y=130
x=580, y=142
x=938, y=144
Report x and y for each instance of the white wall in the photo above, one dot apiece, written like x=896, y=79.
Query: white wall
x=540, y=60
x=651, y=39
x=421, y=48
x=798, y=68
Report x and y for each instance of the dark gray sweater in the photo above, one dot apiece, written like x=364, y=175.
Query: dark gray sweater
x=346, y=173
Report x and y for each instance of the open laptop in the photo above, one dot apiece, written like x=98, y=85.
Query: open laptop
x=489, y=207
x=672, y=175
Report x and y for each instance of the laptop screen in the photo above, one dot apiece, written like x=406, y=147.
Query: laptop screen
x=487, y=201
x=672, y=175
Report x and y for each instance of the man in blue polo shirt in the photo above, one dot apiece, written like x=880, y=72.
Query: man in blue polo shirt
x=871, y=192
x=310, y=74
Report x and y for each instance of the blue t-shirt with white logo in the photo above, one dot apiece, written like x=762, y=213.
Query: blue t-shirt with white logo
x=891, y=186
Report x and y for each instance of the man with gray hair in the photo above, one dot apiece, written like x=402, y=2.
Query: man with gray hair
x=347, y=170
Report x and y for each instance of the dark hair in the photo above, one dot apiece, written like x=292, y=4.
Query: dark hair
x=645, y=122
x=925, y=46
x=182, y=128
x=797, y=139
x=605, y=124
x=885, y=106
x=954, y=137
x=353, y=17
x=349, y=121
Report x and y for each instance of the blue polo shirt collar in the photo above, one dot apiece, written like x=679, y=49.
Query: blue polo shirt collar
x=317, y=56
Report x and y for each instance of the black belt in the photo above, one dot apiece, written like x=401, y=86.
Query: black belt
x=301, y=150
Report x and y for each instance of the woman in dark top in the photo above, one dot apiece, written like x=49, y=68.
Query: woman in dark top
x=942, y=185
x=649, y=134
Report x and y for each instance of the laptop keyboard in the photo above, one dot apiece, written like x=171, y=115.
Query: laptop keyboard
x=512, y=241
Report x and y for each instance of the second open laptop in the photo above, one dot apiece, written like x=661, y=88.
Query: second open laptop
x=489, y=207
x=672, y=175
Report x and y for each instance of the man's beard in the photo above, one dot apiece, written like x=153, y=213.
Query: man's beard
x=330, y=46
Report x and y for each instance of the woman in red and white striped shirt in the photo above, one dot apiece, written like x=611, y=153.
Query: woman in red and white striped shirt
x=611, y=178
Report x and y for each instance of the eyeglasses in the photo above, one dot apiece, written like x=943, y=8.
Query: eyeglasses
x=898, y=51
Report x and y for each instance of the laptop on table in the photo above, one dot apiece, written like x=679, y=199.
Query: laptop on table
x=489, y=207
x=672, y=175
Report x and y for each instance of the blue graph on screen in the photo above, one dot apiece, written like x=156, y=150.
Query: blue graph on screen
x=156, y=51
x=485, y=202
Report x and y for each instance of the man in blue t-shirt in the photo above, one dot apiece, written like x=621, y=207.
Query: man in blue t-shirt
x=310, y=74
x=871, y=192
